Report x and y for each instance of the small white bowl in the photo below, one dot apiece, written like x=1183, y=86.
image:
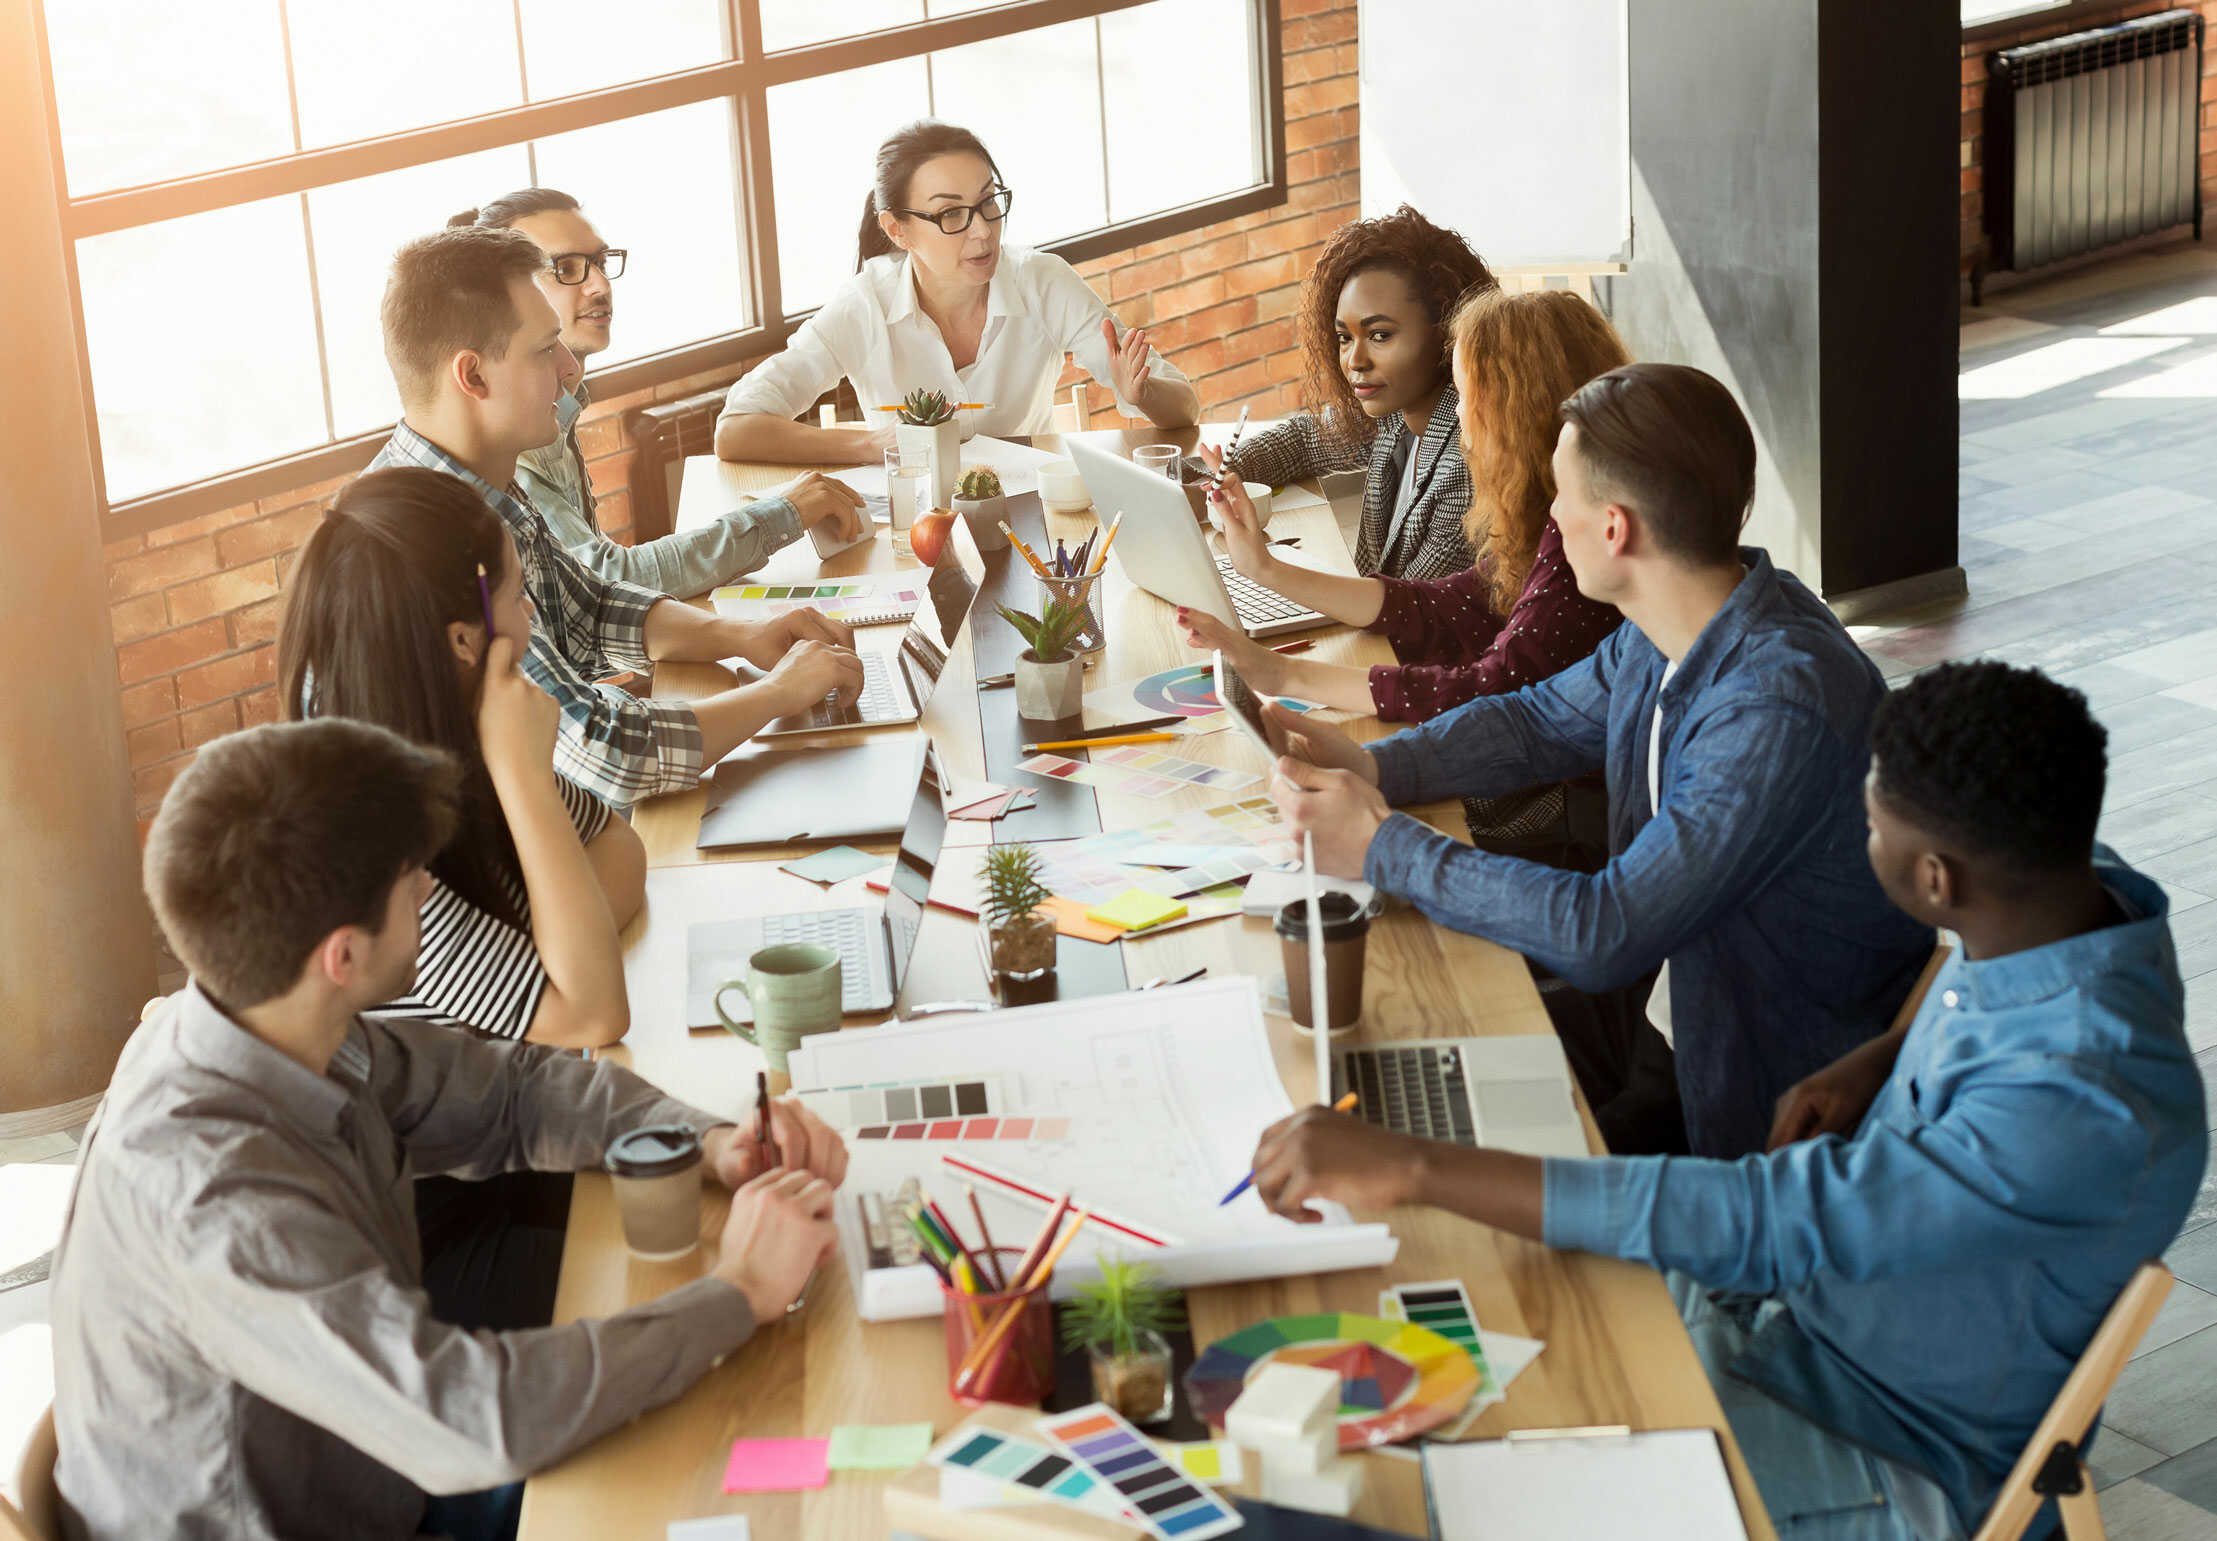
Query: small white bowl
x=1061, y=487
x=1258, y=493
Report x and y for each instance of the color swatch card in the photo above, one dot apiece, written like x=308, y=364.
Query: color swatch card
x=858, y=603
x=1443, y=1306
x=1138, y=770
x=1169, y=1503
x=1041, y=1474
x=1214, y=1461
x=878, y=1446
x=777, y=1465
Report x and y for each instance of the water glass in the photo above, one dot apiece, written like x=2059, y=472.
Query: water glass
x=907, y=494
x=1162, y=459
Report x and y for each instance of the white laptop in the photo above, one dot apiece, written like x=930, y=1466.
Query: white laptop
x=1506, y=1093
x=1164, y=550
x=891, y=694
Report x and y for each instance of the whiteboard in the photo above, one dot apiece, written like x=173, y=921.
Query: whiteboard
x=1503, y=119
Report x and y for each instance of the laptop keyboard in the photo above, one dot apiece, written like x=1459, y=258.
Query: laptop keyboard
x=879, y=701
x=846, y=932
x=1255, y=605
x=1415, y=1090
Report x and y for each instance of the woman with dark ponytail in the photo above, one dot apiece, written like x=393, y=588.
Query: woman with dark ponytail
x=939, y=303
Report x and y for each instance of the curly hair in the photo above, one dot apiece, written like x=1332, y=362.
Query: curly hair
x=2003, y=762
x=1440, y=269
x=1520, y=355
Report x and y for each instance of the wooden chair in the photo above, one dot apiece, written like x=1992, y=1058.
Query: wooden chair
x=40, y=1518
x=2050, y=1466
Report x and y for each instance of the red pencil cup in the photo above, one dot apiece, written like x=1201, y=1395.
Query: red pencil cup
x=1020, y=1367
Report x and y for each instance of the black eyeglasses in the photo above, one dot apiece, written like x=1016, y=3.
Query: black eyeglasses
x=572, y=266
x=956, y=217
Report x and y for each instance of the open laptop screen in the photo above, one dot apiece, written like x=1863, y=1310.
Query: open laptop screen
x=938, y=621
x=910, y=884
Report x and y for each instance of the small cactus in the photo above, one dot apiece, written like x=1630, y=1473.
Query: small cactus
x=925, y=409
x=978, y=483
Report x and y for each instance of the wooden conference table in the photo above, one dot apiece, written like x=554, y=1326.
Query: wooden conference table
x=1616, y=1351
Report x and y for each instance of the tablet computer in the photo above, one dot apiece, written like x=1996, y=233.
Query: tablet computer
x=1236, y=696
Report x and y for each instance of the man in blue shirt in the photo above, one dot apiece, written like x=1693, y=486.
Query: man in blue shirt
x=1889, y=1298
x=1731, y=714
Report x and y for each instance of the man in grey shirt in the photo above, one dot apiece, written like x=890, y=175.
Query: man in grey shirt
x=242, y=1346
x=578, y=284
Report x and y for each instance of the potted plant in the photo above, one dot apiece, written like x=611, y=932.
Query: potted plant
x=1019, y=936
x=928, y=426
x=1119, y=1321
x=1050, y=674
x=978, y=499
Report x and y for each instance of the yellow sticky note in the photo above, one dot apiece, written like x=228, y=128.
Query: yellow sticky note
x=1135, y=909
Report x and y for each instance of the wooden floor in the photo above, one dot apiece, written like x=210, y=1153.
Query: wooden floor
x=2089, y=539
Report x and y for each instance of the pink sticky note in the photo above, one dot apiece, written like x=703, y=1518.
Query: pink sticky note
x=777, y=1465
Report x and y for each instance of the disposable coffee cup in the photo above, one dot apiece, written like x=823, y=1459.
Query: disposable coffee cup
x=656, y=1174
x=1345, y=929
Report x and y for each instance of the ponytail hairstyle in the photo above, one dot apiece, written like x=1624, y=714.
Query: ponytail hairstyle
x=899, y=158
x=503, y=212
x=364, y=635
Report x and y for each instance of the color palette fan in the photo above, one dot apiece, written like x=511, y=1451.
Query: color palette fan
x=1396, y=1379
x=1170, y=1504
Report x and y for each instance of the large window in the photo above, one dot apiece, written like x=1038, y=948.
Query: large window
x=239, y=172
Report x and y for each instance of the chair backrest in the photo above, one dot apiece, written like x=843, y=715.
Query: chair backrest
x=40, y=1518
x=2076, y=1407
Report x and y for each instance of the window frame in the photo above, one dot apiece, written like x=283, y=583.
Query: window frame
x=2076, y=13
x=744, y=81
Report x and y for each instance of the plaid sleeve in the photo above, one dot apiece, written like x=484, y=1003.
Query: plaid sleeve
x=613, y=744
x=1287, y=451
x=602, y=619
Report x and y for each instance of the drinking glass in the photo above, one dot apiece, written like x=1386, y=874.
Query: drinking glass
x=907, y=494
x=1162, y=459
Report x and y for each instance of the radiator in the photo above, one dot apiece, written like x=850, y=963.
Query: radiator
x=2092, y=139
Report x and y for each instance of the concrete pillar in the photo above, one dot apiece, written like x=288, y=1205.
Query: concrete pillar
x=76, y=941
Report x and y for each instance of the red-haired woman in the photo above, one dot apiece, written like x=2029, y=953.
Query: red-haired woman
x=1379, y=393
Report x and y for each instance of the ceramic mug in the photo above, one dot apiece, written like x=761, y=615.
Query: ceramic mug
x=794, y=989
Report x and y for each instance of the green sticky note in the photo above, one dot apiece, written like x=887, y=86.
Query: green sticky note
x=879, y=1446
x=1135, y=909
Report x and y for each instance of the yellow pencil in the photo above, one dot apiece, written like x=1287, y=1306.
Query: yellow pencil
x=1114, y=525
x=1017, y=541
x=952, y=406
x=1100, y=743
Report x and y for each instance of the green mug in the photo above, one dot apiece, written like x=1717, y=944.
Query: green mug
x=794, y=990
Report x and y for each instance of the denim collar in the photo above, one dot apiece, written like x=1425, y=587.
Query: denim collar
x=2042, y=973
x=1756, y=588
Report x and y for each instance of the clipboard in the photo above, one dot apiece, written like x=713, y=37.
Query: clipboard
x=1575, y=1484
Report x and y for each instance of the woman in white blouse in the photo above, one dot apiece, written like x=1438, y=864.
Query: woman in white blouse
x=939, y=303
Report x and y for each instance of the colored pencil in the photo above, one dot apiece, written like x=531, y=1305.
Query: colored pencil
x=1100, y=743
x=1294, y=647
x=1230, y=450
x=1017, y=1188
x=1109, y=540
x=1144, y=725
x=952, y=406
x=1025, y=551
x=1248, y=1181
x=992, y=1253
x=1039, y=1243
x=954, y=1236
x=766, y=1154
x=987, y=1352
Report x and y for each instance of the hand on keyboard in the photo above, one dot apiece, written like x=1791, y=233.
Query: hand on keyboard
x=811, y=671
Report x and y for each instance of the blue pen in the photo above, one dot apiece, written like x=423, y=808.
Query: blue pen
x=1062, y=558
x=1247, y=1182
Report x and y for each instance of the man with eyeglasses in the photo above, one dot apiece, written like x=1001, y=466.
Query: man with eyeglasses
x=940, y=302
x=579, y=285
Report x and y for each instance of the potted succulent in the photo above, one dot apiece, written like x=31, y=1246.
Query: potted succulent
x=1019, y=937
x=928, y=426
x=978, y=499
x=1050, y=673
x=1119, y=1321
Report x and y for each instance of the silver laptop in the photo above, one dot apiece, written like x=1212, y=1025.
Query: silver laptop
x=1506, y=1093
x=900, y=693
x=1164, y=549
x=874, y=945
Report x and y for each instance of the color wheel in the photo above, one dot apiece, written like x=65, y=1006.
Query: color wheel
x=1396, y=1380
x=1186, y=692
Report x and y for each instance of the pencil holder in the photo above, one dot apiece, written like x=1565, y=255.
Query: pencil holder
x=1019, y=1365
x=1083, y=591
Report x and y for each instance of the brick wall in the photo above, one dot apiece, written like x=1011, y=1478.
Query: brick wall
x=195, y=605
x=1974, y=96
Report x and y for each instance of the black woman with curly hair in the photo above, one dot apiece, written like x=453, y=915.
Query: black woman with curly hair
x=1379, y=391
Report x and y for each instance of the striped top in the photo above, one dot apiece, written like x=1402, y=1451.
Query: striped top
x=474, y=970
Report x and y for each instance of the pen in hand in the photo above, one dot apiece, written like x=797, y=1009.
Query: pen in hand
x=1341, y=1106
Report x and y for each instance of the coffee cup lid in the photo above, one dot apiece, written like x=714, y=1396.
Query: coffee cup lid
x=656, y=1150
x=1343, y=918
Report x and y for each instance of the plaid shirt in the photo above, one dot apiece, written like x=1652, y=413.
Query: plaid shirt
x=1430, y=542
x=611, y=743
